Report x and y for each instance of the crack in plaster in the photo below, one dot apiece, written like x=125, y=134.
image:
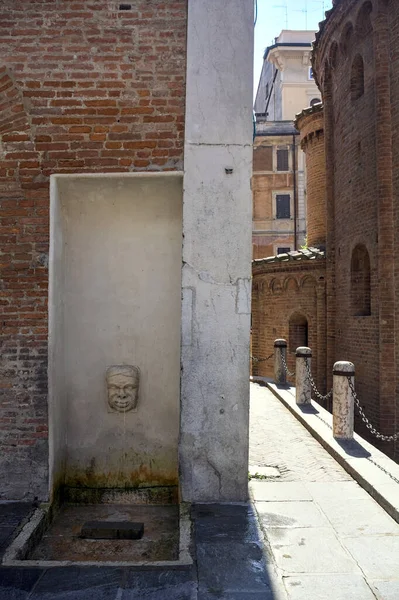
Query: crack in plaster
x=206, y=277
x=218, y=475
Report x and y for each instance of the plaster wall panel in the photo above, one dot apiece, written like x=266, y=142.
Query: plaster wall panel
x=121, y=288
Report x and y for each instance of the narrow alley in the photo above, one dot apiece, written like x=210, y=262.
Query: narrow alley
x=330, y=540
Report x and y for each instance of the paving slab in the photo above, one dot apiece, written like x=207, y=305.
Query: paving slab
x=291, y=514
x=282, y=491
x=351, y=517
x=258, y=472
x=215, y=523
x=336, y=490
x=232, y=567
x=217, y=595
x=16, y=584
x=78, y=583
x=385, y=590
x=328, y=587
x=5, y=536
x=307, y=550
x=156, y=585
x=377, y=555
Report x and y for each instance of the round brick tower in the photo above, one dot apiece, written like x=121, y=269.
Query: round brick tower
x=310, y=123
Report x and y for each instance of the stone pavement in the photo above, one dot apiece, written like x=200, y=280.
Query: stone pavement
x=315, y=535
x=329, y=538
x=231, y=564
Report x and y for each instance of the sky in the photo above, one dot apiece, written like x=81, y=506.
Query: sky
x=275, y=15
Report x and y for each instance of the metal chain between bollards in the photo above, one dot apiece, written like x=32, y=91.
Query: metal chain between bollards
x=313, y=384
x=395, y=479
x=258, y=360
x=285, y=365
x=370, y=427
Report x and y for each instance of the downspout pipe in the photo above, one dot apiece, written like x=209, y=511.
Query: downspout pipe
x=271, y=91
x=295, y=192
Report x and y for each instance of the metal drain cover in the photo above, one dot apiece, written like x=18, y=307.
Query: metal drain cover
x=112, y=530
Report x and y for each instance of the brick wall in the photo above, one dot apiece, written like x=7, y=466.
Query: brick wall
x=282, y=292
x=311, y=127
x=84, y=87
x=357, y=68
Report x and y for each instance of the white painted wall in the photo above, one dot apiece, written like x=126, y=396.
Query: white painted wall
x=217, y=214
x=115, y=289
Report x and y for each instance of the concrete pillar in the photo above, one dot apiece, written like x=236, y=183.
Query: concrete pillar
x=280, y=375
x=303, y=392
x=343, y=402
x=216, y=272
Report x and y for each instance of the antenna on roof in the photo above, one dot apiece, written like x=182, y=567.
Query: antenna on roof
x=323, y=5
x=305, y=11
x=286, y=11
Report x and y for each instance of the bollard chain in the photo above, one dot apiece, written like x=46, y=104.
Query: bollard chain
x=285, y=365
x=370, y=427
x=258, y=360
x=395, y=479
x=313, y=384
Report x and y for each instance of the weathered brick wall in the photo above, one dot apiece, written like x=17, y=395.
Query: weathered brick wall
x=281, y=290
x=311, y=127
x=84, y=87
x=357, y=68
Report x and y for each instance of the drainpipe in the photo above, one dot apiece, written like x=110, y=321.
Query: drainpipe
x=295, y=191
x=270, y=93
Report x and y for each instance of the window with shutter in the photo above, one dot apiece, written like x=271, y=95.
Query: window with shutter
x=283, y=202
x=282, y=160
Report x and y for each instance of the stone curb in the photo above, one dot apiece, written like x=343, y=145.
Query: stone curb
x=354, y=456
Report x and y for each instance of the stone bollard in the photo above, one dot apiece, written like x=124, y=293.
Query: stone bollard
x=303, y=394
x=280, y=375
x=343, y=402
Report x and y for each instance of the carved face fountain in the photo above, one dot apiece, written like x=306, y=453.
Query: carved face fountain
x=123, y=387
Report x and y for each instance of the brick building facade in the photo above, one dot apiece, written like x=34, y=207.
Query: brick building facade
x=83, y=88
x=356, y=67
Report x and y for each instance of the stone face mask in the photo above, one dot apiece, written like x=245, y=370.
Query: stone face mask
x=123, y=387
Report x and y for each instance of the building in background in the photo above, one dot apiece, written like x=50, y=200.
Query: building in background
x=278, y=189
x=289, y=289
x=286, y=83
x=286, y=86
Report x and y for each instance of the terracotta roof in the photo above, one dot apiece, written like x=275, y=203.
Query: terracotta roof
x=294, y=255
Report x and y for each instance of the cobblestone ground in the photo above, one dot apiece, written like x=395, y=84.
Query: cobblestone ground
x=277, y=439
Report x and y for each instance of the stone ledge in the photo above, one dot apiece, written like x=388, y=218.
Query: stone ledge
x=357, y=456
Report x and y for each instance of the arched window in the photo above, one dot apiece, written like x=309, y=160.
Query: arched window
x=298, y=331
x=357, y=78
x=360, y=282
x=347, y=39
x=363, y=23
